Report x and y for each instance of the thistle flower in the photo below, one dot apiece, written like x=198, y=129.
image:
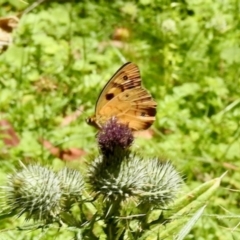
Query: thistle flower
x=114, y=138
x=34, y=191
x=118, y=174
x=115, y=181
x=72, y=185
x=160, y=184
x=147, y=180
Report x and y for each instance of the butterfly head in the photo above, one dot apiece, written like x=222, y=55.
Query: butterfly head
x=92, y=121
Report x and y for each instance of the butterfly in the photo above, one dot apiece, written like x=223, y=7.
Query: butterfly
x=124, y=98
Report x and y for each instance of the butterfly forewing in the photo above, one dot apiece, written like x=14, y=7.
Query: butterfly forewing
x=126, y=77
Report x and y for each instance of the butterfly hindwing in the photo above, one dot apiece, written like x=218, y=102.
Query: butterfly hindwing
x=133, y=107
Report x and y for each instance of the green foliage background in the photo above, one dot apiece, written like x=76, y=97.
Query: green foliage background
x=189, y=56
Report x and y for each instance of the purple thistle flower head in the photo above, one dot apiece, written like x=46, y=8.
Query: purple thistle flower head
x=114, y=136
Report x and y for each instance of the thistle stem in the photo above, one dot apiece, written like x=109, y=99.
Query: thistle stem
x=112, y=211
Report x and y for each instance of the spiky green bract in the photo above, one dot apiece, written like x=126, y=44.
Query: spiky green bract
x=150, y=181
x=116, y=180
x=114, y=137
x=72, y=185
x=161, y=183
x=34, y=191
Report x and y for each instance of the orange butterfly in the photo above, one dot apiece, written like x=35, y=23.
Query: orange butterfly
x=123, y=97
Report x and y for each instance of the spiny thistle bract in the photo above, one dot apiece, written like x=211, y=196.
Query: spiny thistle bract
x=35, y=191
x=161, y=183
x=43, y=194
x=150, y=180
x=72, y=185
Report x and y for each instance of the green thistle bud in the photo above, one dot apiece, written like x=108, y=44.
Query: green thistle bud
x=34, y=191
x=72, y=185
x=115, y=181
x=160, y=184
x=148, y=180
